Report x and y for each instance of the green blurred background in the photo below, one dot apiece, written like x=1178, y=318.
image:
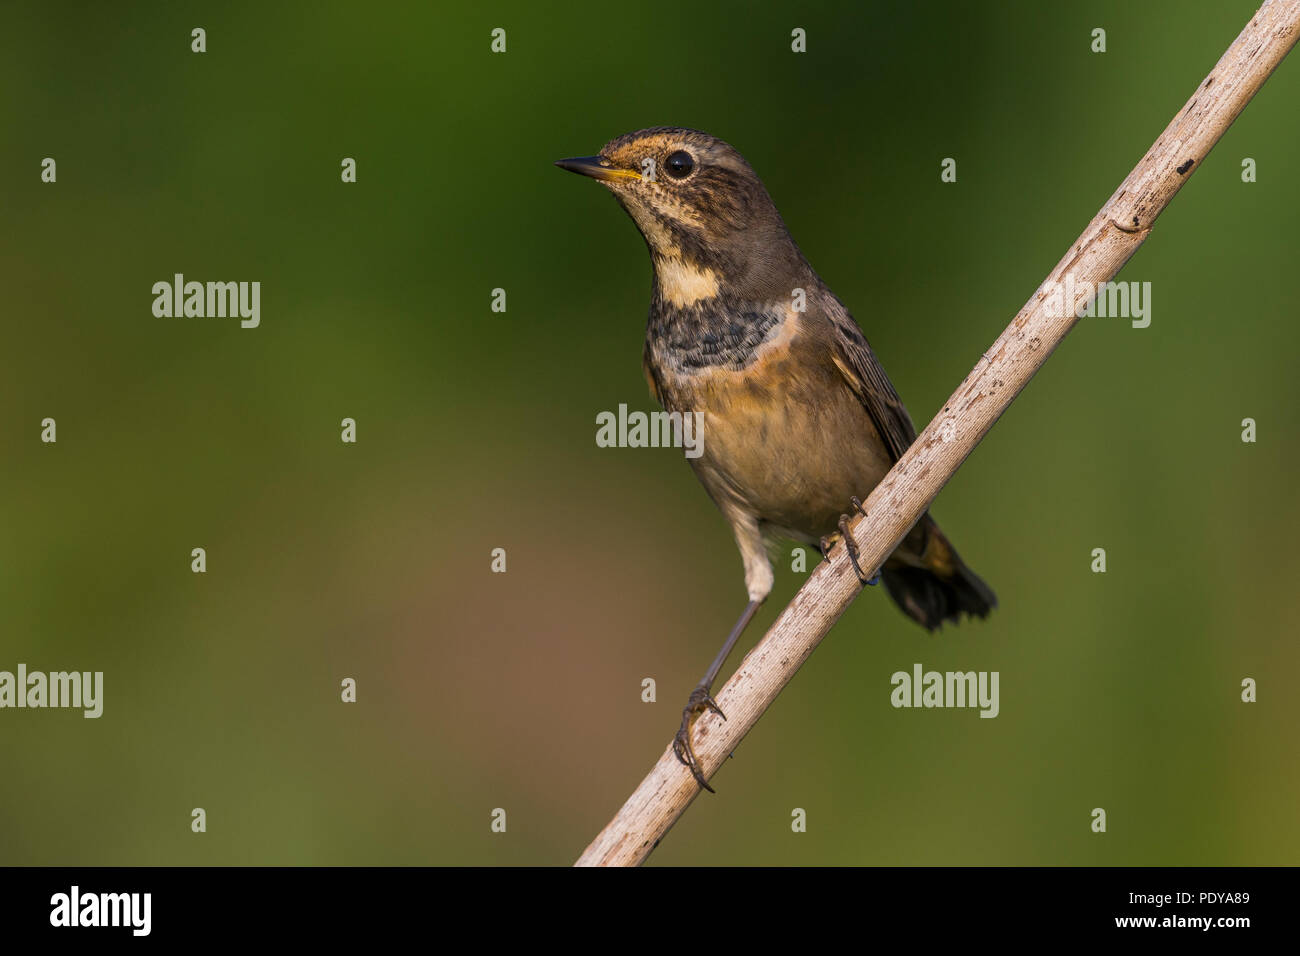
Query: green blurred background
x=476, y=431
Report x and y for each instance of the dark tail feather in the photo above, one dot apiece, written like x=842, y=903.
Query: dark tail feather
x=942, y=588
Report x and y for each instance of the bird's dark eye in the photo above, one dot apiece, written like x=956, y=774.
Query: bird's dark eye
x=679, y=164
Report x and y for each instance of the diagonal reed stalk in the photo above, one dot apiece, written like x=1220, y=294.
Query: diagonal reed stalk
x=896, y=504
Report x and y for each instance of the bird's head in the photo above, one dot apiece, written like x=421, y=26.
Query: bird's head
x=703, y=211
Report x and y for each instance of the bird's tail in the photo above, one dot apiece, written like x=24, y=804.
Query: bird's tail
x=929, y=581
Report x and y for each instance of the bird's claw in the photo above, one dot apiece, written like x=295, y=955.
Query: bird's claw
x=699, y=701
x=850, y=545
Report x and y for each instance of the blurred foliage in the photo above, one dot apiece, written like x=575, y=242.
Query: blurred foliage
x=476, y=430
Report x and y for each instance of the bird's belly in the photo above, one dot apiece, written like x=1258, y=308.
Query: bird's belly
x=785, y=441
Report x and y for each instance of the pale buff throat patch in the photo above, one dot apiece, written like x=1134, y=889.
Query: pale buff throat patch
x=683, y=283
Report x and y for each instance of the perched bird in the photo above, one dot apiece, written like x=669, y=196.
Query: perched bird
x=799, y=416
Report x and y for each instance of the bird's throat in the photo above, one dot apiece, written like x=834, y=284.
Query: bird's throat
x=682, y=283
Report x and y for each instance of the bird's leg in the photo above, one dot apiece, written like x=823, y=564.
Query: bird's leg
x=857, y=506
x=701, y=700
x=850, y=545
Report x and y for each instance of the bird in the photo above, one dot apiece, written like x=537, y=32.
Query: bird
x=799, y=417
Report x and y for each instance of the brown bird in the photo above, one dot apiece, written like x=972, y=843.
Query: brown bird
x=799, y=416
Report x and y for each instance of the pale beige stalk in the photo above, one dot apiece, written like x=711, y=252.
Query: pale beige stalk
x=900, y=499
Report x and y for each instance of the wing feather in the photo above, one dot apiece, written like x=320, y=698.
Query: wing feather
x=866, y=377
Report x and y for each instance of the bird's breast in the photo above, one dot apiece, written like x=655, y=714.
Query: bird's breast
x=782, y=436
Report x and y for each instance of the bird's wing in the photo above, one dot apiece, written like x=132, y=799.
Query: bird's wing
x=858, y=364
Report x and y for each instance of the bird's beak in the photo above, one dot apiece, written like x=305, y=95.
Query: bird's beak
x=597, y=167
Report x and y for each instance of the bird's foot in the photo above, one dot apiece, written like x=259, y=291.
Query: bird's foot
x=699, y=701
x=850, y=545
